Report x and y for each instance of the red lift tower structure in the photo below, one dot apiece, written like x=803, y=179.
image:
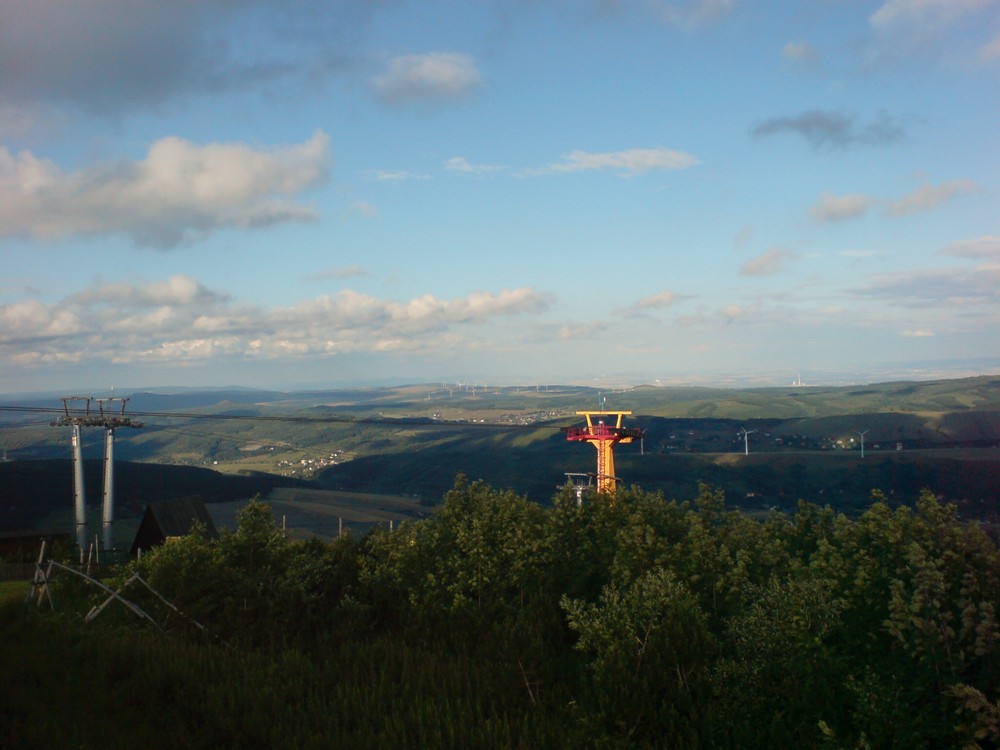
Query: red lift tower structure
x=603, y=435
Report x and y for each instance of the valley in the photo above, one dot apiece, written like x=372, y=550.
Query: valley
x=765, y=447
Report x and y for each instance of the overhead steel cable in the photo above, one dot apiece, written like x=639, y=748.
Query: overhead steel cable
x=237, y=438
x=330, y=419
x=33, y=423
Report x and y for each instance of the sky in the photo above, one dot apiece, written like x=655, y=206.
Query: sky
x=305, y=194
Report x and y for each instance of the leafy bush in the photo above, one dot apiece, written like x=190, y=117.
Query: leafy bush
x=630, y=621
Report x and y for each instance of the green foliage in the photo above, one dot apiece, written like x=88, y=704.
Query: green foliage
x=651, y=647
x=631, y=621
x=780, y=675
x=477, y=564
x=981, y=716
x=189, y=572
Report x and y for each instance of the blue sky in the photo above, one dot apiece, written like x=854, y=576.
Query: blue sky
x=282, y=194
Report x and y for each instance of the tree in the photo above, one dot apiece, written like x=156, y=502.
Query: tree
x=650, y=649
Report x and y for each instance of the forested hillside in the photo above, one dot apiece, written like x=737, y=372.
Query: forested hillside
x=632, y=622
x=34, y=490
x=800, y=443
x=754, y=482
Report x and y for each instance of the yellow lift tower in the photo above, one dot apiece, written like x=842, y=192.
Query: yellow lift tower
x=603, y=436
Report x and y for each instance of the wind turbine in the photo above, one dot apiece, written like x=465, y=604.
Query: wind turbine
x=746, y=439
x=862, y=434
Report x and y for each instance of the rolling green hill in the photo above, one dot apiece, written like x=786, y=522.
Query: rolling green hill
x=37, y=490
x=762, y=480
x=804, y=442
x=236, y=426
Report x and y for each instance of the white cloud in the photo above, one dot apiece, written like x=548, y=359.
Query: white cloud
x=923, y=11
x=731, y=312
x=179, y=320
x=32, y=319
x=99, y=52
x=744, y=313
x=990, y=51
x=458, y=164
x=981, y=247
x=826, y=129
x=800, y=52
x=691, y=14
x=461, y=164
x=931, y=30
x=918, y=333
x=364, y=209
x=434, y=77
x=573, y=331
x=179, y=192
x=177, y=291
x=346, y=272
x=657, y=301
x=831, y=207
x=768, y=263
x=24, y=121
x=744, y=236
x=839, y=207
x=654, y=301
x=631, y=162
x=107, y=57
x=387, y=175
x=939, y=288
x=928, y=197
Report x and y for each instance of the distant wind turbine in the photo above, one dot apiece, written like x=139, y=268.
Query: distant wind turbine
x=862, y=434
x=746, y=439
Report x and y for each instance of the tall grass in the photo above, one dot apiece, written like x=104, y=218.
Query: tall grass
x=75, y=686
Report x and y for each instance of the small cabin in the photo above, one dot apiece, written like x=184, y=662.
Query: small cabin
x=165, y=519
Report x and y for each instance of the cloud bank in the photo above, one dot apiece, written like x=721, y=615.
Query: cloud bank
x=830, y=208
x=924, y=11
x=928, y=197
x=939, y=288
x=768, y=263
x=631, y=162
x=981, y=247
x=834, y=130
x=109, y=57
x=180, y=191
x=431, y=77
x=691, y=14
x=839, y=207
x=180, y=320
